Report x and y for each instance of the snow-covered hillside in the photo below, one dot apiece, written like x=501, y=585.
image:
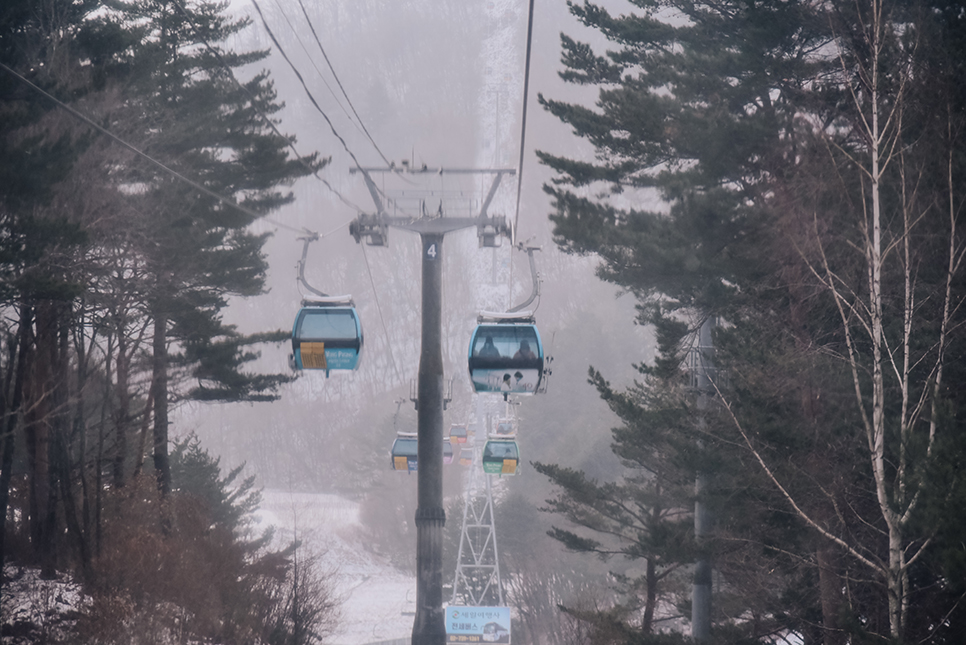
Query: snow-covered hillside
x=378, y=602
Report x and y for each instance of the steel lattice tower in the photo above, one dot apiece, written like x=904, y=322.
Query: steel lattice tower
x=477, y=582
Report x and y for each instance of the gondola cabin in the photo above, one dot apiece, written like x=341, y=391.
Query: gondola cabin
x=327, y=335
x=405, y=452
x=500, y=456
x=506, y=355
x=447, y=452
x=458, y=434
x=504, y=427
x=466, y=456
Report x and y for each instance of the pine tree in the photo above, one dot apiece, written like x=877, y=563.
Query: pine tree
x=36, y=243
x=791, y=144
x=188, y=112
x=103, y=249
x=643, y=515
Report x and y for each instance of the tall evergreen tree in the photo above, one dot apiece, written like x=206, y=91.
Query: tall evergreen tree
x=802, y=201
x=103, y=247
x=643, y=515
x=187, y=110
x=35, y=243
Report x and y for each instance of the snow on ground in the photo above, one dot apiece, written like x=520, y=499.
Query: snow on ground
x=36, y=610
x=379, y=602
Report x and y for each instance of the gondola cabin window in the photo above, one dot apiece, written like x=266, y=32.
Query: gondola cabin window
x=332, y=324
x=506, y=358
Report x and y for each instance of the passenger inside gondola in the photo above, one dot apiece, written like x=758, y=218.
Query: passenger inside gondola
x=489, y=350
x=524, y=351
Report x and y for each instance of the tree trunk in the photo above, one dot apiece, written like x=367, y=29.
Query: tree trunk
x=159, y=388
x=896, y=588
x=62, y=439
x=143, y=436
x=12, y=412
x=650, y=601
x=79, y=430
x=99, y=457
x=38, y=427
x=122, y=412
x=830, y=590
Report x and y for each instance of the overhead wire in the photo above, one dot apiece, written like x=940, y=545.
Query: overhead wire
x=174, y=173
x=523, y=139
x=358, y=122
x=214, y=52
x=305, y=49
x=308, y=92
x=385, y=329
x=339, y=82
x=523, y=128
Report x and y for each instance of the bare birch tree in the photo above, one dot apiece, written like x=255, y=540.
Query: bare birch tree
x=894, y=289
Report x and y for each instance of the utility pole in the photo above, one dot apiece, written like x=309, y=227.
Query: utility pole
x=429, y=627
x=701, y=588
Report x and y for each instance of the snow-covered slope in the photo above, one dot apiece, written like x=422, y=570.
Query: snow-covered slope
x=378, y=602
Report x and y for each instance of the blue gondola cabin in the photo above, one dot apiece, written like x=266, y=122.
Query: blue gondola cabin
x=506, y=357
x=405, y=452
x=326, y=336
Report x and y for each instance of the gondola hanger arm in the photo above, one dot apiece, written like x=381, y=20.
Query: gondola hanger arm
x=535, y=279
x=308, y=238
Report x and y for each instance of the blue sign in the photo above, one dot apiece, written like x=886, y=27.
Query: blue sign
x=477, y=624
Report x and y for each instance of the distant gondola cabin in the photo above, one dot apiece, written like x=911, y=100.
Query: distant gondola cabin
x=500, y=457
x=326, y=337
x=405, y=452
x=504, y=427
x=447, y=452
x=457, y=434
x=506, y=357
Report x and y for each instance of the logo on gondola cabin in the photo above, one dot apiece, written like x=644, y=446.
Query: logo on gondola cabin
x=313, y=356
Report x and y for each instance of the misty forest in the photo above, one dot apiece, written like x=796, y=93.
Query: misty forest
x=749, y=287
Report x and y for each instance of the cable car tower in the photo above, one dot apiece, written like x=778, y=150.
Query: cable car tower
x=431, y=224
x=477, y=582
